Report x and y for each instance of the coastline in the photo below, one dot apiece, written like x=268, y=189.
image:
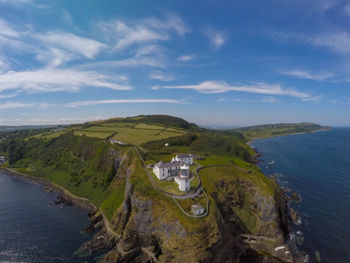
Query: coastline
x=288, y=134
x=77, y=201
x=293, y=216
x=104, y=238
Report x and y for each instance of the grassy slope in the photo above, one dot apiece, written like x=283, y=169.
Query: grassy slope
x=272, y=130
x=84, y=166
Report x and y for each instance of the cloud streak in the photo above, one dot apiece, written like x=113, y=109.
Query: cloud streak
x=143, y=31
x=214, y=87
x=307, y=75
x=122, y=101
x=158, y=75
x=81, y=45
x=15, y=105
x=52, y=80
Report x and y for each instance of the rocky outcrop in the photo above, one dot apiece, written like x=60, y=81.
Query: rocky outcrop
x=294, y=217
x=296, y=197
x=148, y=234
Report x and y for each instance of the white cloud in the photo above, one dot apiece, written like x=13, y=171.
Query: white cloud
x=54, y=57
x=15, y=105
x=8, y=95
x=313, y=98
x=158, y=75
x=123, y=101
x=50, y=80
x=150, y=55
x=307, y=75
x=185, y=58
x=81, y=45
x=7, y=30
x=147, y=30
x=217, y=38
x=212, y=87
x=67, y=17
x=337, y=42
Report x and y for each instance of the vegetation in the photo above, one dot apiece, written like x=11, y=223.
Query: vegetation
x=82, y=159
x=272, y=130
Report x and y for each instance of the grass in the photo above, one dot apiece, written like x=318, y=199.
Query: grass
x=273, y=130
x=214, y=159
x=94, y=134
x=139, y=136
x=132, y=133
x=169, y=186
x=144, y=126
x=113, y=201
x=211, y=175
x=187, y=203
x=47, y=135
x=194, y=182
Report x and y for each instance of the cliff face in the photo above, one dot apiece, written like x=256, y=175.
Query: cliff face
x=150, y=228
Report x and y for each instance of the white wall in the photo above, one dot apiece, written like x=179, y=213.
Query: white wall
x=161, y=173
x=184, y=184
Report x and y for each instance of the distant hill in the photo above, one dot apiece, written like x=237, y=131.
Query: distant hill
x=279, y=129
x=165, y=120
x=25, y=127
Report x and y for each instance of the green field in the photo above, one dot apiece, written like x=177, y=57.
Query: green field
x=94, y=134
x=129, y=133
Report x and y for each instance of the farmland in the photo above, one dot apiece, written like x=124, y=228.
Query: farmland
x=129, y=133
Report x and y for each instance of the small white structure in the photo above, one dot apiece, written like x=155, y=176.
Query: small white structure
x=183, y=178
x=113, y=141
x=184, y=157
x=197, y=209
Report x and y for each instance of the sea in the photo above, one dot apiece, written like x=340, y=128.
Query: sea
x=316, y=166
x=32, y=230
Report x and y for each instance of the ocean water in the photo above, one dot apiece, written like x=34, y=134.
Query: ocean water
x=32, y=230
x=317, y=166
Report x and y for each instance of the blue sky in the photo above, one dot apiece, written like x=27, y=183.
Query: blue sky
x=211, y=62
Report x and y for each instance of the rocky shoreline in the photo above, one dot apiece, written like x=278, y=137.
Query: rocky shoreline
x=102, y=240
x=293, y=216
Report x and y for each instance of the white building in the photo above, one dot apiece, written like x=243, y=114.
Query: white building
x=183, y=178
x=197, y=209
x=164, y=170
x=179, y=171
x=184, y=157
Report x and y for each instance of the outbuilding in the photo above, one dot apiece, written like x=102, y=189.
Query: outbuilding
x=197, y=209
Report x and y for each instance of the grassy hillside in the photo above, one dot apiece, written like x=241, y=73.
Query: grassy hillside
x=112, y=176
x=272, y=130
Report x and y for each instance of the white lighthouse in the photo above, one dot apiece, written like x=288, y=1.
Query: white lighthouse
x=183, y=178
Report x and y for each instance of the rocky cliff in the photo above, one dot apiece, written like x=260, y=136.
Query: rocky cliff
x=246, y=223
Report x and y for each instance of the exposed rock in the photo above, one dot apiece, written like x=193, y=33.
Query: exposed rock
x=48, y=189
x=296, y=197
x=294, y=217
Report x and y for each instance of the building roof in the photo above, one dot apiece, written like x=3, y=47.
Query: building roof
x=168, y=164
x=184, y=155
x=197, y=207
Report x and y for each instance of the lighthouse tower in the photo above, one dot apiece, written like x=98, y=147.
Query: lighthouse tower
x=183, y=178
